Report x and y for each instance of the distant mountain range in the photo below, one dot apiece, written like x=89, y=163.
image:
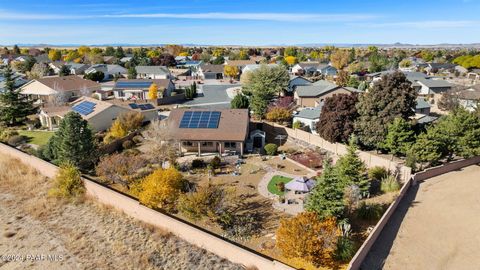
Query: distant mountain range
x=393, y=45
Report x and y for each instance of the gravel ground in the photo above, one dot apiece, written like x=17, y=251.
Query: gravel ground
x=44, y=233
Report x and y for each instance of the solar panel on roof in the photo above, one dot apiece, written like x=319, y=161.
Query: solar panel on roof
x=133, y=105
x=133, y=84
x=200, y=119
x=84, y=108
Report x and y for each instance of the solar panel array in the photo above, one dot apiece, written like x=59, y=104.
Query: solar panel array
x=133, y=84
x=146, y=106
x=200, y=119
x=84, y=108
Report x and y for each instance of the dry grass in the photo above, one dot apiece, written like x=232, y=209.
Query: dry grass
x=88, y=235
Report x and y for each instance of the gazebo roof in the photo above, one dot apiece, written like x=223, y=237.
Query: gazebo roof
x=301, y=183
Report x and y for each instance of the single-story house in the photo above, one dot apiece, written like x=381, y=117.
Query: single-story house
x=126, y=59
x=110, y=71
x=18, y=79
x=76, y=68
x=309, y=117
x=204, y=131
x=240, y=64
x=440, y=67
x=109, y=59
x=51, y=89
x=208, y=71
x=153, y=72
x=137, y=89
x=469, y=98
x=56, y=66
x=99, y=114
x=314, y=94
x=432, y=87
x=313, y=69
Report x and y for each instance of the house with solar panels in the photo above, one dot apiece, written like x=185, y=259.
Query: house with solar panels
x=199, y=131
x=138, y=89
x=99, y=114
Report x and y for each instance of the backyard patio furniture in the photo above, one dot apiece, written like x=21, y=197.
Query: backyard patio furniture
x=301, y=184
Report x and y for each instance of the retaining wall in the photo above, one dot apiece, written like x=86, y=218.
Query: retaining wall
x=130, y=206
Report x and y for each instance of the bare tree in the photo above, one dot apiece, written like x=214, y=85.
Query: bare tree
x=61, y=97
x=85, y=92
x=162, y=144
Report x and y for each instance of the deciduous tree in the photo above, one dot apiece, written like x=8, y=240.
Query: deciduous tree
x=337, y=117
x=161, y=188
x=153, y=91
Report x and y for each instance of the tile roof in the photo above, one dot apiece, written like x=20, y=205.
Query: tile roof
x=233, y=126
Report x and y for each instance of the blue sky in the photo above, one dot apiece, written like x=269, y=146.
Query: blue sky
x=241, y=22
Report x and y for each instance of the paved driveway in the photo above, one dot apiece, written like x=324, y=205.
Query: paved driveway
x=214, y=97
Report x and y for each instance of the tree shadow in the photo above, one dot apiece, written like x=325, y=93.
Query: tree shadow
x=380, y=250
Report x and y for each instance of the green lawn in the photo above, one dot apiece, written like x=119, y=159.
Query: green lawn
x=272, y=185
x=36, y=137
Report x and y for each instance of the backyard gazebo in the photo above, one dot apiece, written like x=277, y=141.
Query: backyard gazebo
x=301, y=184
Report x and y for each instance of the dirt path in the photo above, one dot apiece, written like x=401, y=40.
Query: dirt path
x=437, y=226
x=83, y=235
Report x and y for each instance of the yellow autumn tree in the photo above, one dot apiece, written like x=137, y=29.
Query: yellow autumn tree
x=183, y=54
x=153, y=91
x=230, y=71
x=291, y=60
x=161, y=188
x=339, y=58
x=278, y=114
x=117, y=130
x=307, y=237
x=54, y=55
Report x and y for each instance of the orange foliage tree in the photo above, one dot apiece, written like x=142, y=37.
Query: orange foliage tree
x=307, y=237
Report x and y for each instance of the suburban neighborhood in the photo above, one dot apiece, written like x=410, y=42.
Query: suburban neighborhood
x=185, y=156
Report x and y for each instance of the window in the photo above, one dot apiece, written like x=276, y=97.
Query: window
x=187, y=143
x=230, y=145
x=209, y=144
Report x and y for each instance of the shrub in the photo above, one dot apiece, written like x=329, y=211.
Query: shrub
x=390, y=184
x=120, y=168
x=271, y=149
x=377, y=173
x=198, y=163
x=161, y=188
x=277, y=114
x=297, y=125
x=68, y=182
x=345, y=249
x=137, y=139
x=281, y=186
x=128, y=144
x=368, y=211
x=240, y=227
x=16, y=140
x=6, y=134
x=210, y=201
x=307, y=237
x=216, y=162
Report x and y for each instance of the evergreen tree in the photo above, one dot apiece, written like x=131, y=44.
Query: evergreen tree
x=400, y=137
x=426, y=148
x=64, y=71
x=14, y=107
x=16, y=49
x=351, y=170
x=72, y=142
x=132, y=73
x=326, y=198
x=119, y=53
x=239, y=102
x=392, y=97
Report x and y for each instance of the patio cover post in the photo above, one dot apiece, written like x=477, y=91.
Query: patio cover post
x=199, y=150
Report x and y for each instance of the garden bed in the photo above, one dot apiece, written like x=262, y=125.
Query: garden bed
x=311, y=159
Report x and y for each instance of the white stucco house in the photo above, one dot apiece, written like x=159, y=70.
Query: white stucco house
x=308, y=117
x=153, y=72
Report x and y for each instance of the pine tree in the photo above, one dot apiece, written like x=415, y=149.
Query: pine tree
x=400, y=137
x=239, y=102
x=326, y=198
x=351, y=170
x=72, y=142
x=14, y=107
x=392, y=97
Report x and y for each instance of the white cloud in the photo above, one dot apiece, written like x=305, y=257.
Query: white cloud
x=424, y=24
x=280, y=17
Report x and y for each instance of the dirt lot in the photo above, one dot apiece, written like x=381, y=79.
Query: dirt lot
x=435, y=227
x=44, y=233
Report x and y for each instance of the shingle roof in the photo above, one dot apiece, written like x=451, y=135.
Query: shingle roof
x=435, y=83
x=233, y=126
x=68, y=83
x=315, y=89
x=310, y=113
x=422, y=104
x=208, y=68
x=239, y=63
x=158, y=70
x=161, y=83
